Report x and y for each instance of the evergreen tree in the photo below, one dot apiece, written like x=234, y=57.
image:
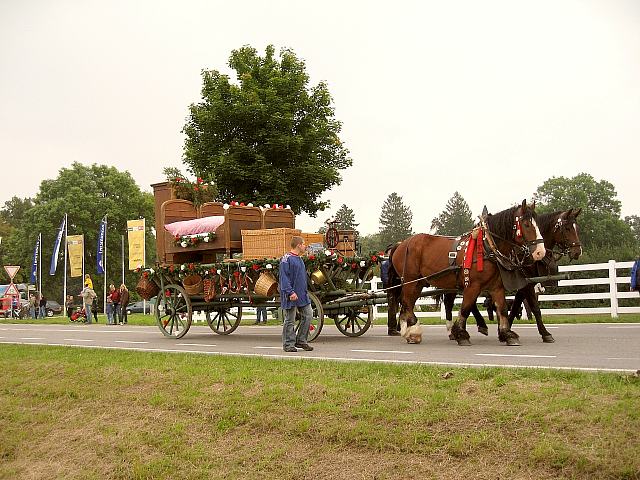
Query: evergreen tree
x=395, y=220
x=455, y=219
x=345, y=219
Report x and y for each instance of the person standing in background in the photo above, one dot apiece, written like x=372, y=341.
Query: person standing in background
x=70, y=306
x=124, y=301
x=88, y=296
x=43, y=306
x=109, y=306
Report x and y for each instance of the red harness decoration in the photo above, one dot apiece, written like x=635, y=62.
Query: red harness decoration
x=474, y=243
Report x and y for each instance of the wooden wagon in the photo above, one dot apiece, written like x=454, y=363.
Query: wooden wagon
x=203, y=276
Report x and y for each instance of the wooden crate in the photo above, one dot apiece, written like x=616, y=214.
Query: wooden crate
x=347, y=243
x=268, y=243
x=310, y=238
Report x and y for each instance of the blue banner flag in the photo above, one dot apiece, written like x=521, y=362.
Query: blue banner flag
x=34, y=264
x=56, y=248
x=101, y=245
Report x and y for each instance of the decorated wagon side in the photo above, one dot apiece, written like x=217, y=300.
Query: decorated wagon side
x=222, y=259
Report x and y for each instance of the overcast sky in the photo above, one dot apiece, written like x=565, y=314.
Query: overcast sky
x=435, y=96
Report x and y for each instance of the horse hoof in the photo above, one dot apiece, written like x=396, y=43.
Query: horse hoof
x=464, y=342
x=548, y=339
x=513, y=342
x=483, y=330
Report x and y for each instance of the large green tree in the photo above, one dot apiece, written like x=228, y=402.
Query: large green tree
x=602, y=232
x=395, y=220
x=270, y=137
x=455, y=219
x=346, y=219
x=85, y=194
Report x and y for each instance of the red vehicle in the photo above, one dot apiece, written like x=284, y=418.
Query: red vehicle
x=13, y=302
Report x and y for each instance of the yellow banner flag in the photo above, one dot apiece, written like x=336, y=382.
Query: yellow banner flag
x=75, y=246
x=135, y=231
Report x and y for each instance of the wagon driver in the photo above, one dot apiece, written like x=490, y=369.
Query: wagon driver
x=294, y=297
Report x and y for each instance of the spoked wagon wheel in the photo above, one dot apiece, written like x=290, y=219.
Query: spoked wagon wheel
x=173, y=314
x=316, y=321
x=354, y=321
x=223, y=320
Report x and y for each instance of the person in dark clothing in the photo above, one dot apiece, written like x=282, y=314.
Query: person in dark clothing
x=393, y=329
x=43, y=306
x=124, y=301
x=70, y=306
x=294, y=297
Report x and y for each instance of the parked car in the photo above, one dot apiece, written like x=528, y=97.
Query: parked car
x=136, y=307
x=53, y=308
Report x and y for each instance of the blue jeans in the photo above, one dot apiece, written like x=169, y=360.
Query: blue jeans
x=109, y=313
x=43, y=312
x=87, y=310
x=289, y=337
x=32, y=312
x=261, y=313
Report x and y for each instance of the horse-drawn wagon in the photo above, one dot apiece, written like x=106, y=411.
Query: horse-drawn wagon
x=223, y=259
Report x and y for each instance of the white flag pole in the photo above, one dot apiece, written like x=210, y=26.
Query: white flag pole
x=40, y=263
x=104, y=264
x=122, y=242
x=64, y=290
x=144, y=259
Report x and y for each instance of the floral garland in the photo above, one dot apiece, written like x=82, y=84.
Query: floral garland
x=327, y=258
x=185, y=241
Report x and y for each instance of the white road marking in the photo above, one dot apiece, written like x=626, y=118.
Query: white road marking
x=335, y=359
x=382, y=351
x=625, y=326
x=514, y=355
x=609, y=358
x=125, y=341
x=32, y=338
x=196, y=344
x=272, y=348
x=76, y=340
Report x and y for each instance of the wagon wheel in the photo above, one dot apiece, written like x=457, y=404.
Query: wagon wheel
x=354, y=321
x=173, y=312
x=316, y=321
x=224, y=319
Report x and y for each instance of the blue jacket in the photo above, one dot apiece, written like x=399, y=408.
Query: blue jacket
x=635, y=276
x=384, y=273
x=293, y=278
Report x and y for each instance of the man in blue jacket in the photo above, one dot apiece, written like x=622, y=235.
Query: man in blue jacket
x=294, y=297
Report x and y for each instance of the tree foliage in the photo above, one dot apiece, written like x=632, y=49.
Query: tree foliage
x=270, y=138
x=634, y=223
x=346, y=219
x=602, y=232
x=85, y=194
x=455, y=219
x=395, y=220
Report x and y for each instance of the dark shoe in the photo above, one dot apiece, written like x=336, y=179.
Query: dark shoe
x=393, y=333
x=290, y=349
x=304, y=346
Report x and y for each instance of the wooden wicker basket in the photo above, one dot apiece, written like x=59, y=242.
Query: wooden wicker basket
x=266, y=286
x=268, y=243
x=147, y=288
x=193, y=284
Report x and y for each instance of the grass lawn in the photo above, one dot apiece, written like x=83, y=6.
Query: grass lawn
x=82, y=413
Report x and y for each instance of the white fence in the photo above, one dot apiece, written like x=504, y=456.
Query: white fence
x=609, y=278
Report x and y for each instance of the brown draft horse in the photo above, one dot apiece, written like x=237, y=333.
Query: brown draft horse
x=560, y=233
x=423, y=260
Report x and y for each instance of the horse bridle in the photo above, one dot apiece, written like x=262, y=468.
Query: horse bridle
x=525, y=248
x=565, y=246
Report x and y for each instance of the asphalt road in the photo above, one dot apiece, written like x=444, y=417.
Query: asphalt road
x=601, y=347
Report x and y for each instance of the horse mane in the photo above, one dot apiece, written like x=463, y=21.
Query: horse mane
x=546, y=221
x=501, y=223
